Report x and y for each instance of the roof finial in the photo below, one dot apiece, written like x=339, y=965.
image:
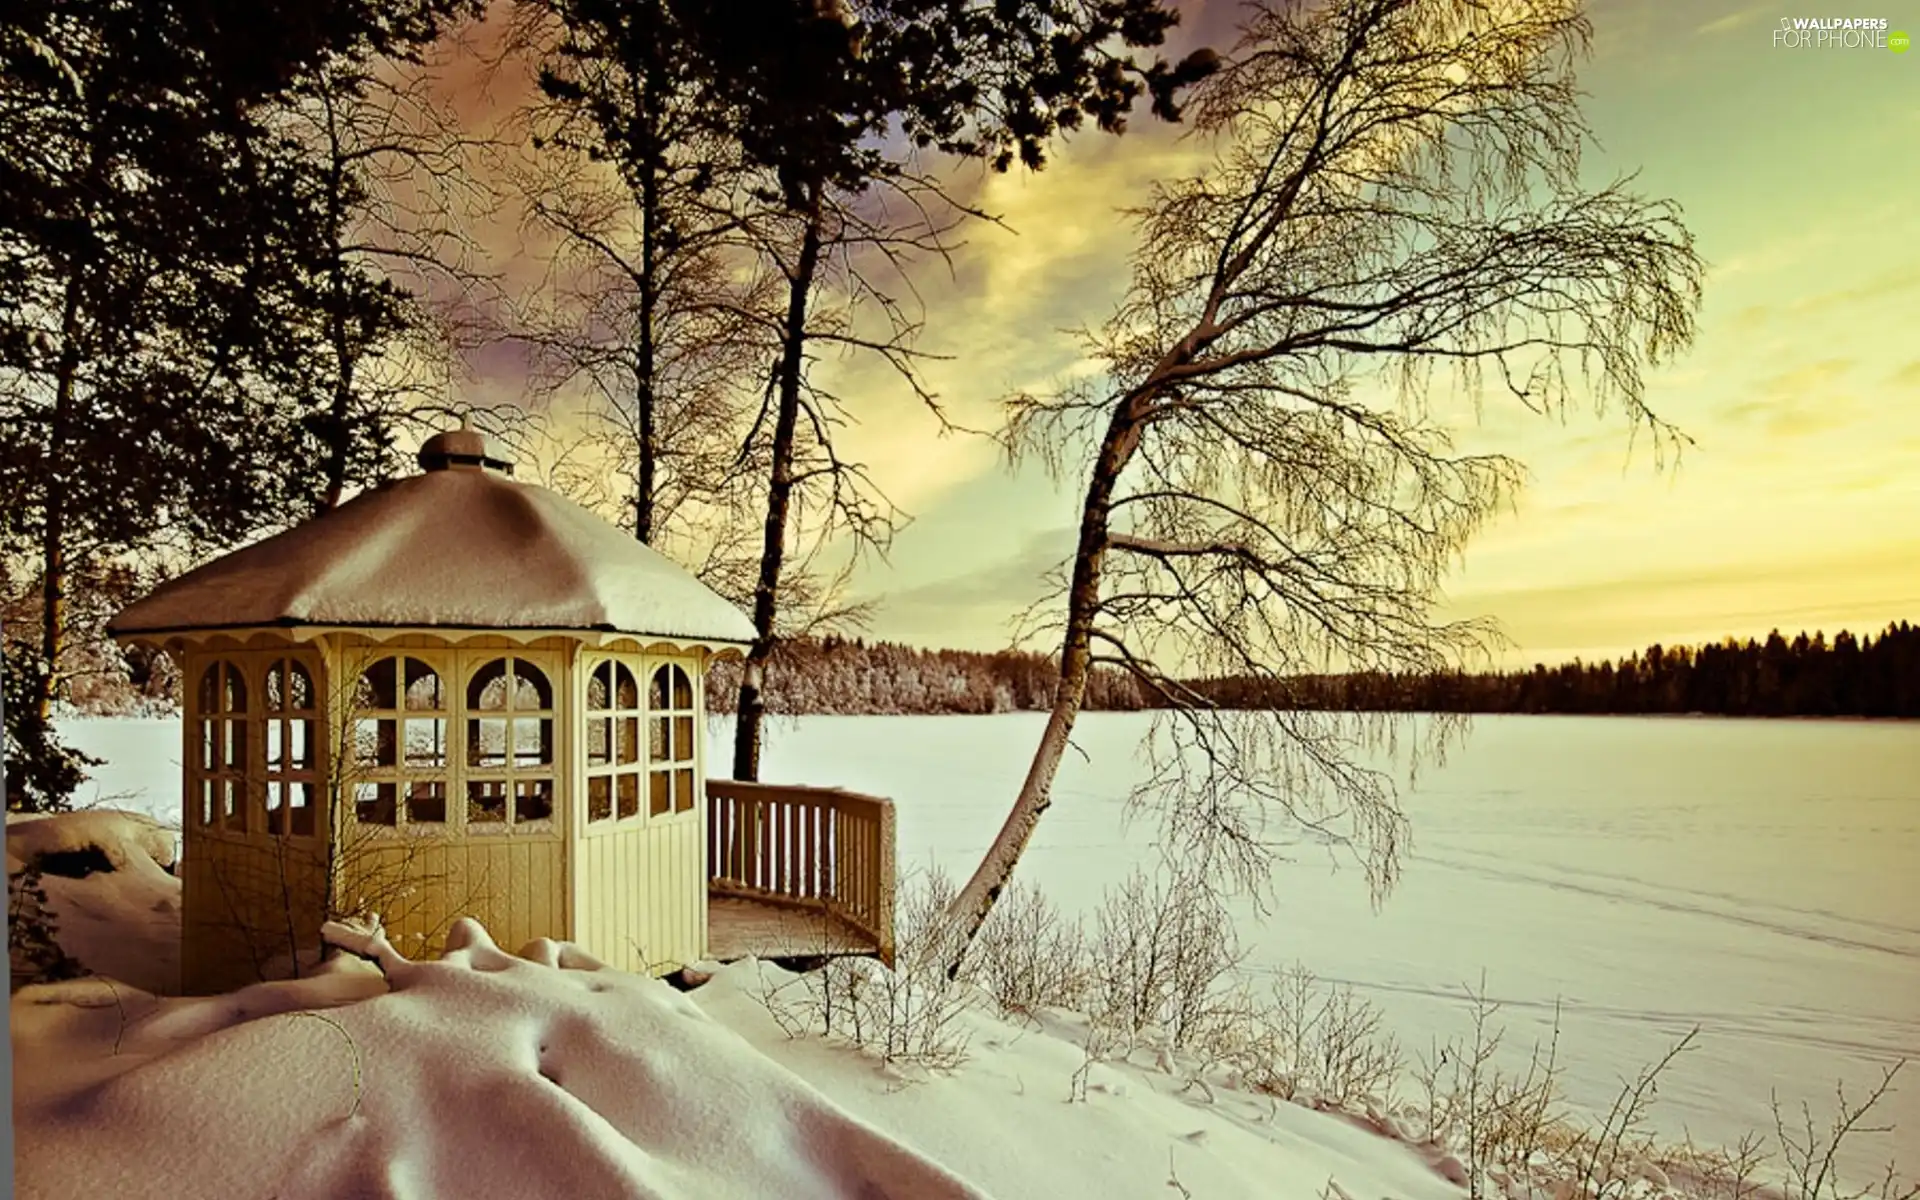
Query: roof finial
x=463, y=447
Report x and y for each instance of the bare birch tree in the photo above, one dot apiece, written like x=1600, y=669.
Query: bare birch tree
x=1391, y=213
x=834, y=102
x=846, y=258
x=385, y=297
x=653, y=309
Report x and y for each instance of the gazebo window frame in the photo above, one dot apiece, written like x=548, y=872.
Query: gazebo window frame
x=674, y=783
x=220, y=787
x=290, y=744
x=457, y=669
x=613, y=741
x=230, y=743
x=510, y=772
x=406, y=782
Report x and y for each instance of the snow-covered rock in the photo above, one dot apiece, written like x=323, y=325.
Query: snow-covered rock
x=114, y=903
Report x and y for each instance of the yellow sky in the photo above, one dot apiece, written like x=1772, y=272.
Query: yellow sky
x=1798, y=505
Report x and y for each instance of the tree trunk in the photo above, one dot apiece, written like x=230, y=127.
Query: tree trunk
x=340, y=410
x=750, y=712
x=339, y=413
x=975, y=901
x=644, y=367
x=53, y=609
x=652, y=117
x=53, y=533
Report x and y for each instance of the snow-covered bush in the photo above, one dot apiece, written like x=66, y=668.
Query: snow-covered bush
x=1810, y=1155
x=1028, y=956
x=1313, y=1044
x=1164, y=959
x=32, y=942
x=1506, y=1134
x=907, y=1015
x=1498, y=1121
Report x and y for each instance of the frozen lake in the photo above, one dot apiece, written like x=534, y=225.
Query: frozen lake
x=1759, y=879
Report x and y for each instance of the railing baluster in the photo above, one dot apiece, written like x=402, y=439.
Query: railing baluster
x=809, y=841
x=736, y=864
x=783, y=839
x=867, y=890
x=757, y=854
x=857, y=842
x=763, y=840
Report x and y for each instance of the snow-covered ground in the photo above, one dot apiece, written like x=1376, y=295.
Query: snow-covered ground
x=1753, y=878
x=486, y=1074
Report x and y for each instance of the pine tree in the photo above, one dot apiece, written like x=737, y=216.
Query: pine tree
x=154, y=235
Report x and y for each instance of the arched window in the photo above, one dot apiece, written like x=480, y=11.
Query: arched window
x=613, y=743
x=400, y=719
x=670, y=745
x=292, y=710
x=221, y=784
x=509, y=746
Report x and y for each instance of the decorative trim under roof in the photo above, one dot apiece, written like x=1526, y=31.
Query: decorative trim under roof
x=381, y=634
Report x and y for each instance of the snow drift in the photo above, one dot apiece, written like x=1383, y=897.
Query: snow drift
x=547, y=1074
x=480, y=1075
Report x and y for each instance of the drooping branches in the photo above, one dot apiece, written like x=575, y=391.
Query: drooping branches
x=1391, y=221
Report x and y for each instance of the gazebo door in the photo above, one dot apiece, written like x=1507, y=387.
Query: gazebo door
x=641, y=887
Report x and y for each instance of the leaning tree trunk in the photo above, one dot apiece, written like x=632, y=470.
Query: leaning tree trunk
x=971, y=907
x=751, y=710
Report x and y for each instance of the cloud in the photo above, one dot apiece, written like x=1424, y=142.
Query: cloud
x=1907, y=376
x=976, y=608
x=998, y=322
x=1731, y=21
x=1798, y=402
x=1884, y=286
x=1876, y=290
x=1862, y=589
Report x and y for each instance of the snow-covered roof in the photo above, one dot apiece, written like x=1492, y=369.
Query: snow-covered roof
x=462, y=545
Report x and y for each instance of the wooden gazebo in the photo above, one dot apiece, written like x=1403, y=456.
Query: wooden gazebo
x=459, y=694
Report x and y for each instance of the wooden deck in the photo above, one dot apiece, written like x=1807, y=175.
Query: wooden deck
x=796, y=872
x=738, y=926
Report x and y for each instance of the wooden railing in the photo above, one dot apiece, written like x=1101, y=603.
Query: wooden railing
x=811, y=847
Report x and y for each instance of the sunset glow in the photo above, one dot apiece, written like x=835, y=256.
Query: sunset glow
x=1795, y=505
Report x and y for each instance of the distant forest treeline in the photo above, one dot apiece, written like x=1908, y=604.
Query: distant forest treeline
x=1807, y=676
